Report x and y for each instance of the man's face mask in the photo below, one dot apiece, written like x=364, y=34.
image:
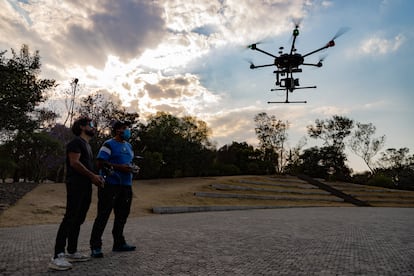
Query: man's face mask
x=126, y=134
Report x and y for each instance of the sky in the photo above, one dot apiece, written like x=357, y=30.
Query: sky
x=191, y=58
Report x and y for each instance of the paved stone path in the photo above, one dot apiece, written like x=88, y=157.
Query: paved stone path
x=296, y=241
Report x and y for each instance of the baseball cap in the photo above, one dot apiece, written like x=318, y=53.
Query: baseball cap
x=119, y=124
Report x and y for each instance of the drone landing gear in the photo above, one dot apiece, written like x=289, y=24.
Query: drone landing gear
x=288, y=102
x=287, y=94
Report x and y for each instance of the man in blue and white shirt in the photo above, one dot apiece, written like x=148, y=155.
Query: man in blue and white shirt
x=116, y=154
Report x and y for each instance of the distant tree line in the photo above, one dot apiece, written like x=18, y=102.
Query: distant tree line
x=32, y=144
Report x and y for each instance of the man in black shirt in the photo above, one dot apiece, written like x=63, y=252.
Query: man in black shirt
x=79, y=179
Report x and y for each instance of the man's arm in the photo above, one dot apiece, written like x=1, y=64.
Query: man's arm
x=117, y=167
x=74, y=161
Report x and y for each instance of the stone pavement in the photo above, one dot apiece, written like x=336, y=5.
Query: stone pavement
x=295, y=241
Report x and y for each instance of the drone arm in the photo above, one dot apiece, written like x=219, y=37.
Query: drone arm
x=305, y=87
x=318, y=50
x=293, y=45
x=252, y=66
x=319, y=64
x=264, y=52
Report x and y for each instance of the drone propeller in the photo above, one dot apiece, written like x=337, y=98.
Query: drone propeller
x=252, y=46
x=331, y=43
x=321, y=59
x=262, y=41
x=297, y=21
x=340, y=32
x=252, y=66
x=319, y=64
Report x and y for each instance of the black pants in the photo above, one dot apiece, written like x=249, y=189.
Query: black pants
x=118, y=198
x=78, y=200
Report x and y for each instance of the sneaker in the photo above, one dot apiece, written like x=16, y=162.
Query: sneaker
x=124, y=247
x=97, y=253
x=76, y=257
x=60, y=263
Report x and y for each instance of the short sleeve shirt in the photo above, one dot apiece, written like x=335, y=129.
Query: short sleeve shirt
x=117, y=153
x=78, y=145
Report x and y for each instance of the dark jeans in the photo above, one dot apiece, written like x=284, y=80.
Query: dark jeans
x=78, y=200
x=118, y=198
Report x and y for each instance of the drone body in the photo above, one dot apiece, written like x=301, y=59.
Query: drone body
x=289, y=63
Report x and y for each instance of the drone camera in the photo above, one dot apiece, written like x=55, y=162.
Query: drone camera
x=289, y=83
x=296, y=82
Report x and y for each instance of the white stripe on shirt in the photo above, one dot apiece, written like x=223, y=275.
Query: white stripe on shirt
x=106, y=150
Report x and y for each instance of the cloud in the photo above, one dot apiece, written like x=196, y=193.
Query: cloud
x=120, y=28
x=178, y=94
x=86, y=32
x=196, y=28
x=206, y=30
x=328, y=111
x=237, y=124
x=175, y=87
x=17, y=7
x=232, y=125
x=326, y=3
x=171, y=109
x=163, y=35
x=378, y=105
x=376, y=45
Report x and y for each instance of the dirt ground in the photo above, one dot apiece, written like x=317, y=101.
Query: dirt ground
x=46, y=203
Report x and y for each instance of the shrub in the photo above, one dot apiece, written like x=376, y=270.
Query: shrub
x=381, y=181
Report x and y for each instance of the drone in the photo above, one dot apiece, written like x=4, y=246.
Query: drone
x=289, y=63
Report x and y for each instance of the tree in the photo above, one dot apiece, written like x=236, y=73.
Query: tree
x=241, y=158
x=294, y=157
x=182, y=142
x=396, y=159
x=32, y=159
x=56, y=163
x=41, y=149
x=325, y=162
x=21, y=90
x=104, y=111
x=7, y=165
x=272, y=136
x=46, y=118
x=364, y=145
x=332, y=131
x=195, y=131
x=398, y=166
